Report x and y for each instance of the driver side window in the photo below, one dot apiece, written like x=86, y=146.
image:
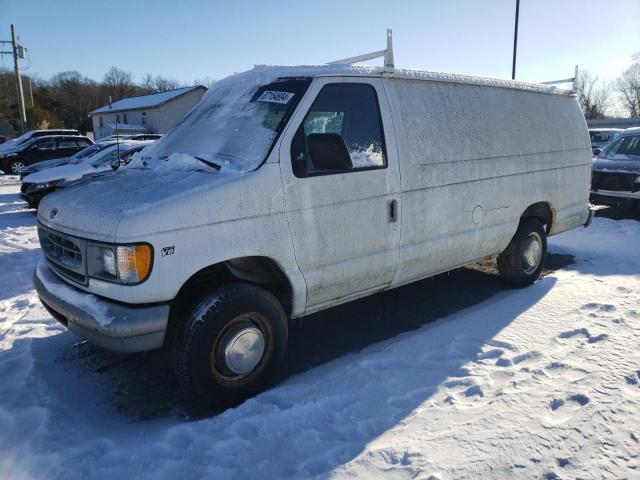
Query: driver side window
x=344, y=121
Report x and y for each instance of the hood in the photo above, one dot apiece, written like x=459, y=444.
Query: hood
x=132, y=204
x=67, y=173
x=11, y=149
x=38, y=167
x=8, y=145
x=619, y=164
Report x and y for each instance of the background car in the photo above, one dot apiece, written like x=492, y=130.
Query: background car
x=31, y=134
x=40, y=149
x=616, y=171
x=56, y=162
x=601, y=137
x=39, y=184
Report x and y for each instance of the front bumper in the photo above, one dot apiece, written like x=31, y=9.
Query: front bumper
x=115, y=326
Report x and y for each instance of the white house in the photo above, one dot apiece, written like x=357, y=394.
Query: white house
x=152, y=113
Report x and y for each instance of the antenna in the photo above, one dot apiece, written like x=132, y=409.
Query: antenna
x=387, y=54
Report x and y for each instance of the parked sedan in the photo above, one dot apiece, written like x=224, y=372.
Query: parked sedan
x=39, y=184
x=616, y=171
x=40, y=149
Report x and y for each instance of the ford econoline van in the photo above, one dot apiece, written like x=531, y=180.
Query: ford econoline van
x=288, y=190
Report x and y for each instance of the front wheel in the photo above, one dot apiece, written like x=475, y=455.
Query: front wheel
x=15, y=167
x=231, y=344
x=521, y=262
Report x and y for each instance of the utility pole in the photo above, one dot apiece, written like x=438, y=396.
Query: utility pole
x=21, y=110
x=515, y=41
x=18, y=52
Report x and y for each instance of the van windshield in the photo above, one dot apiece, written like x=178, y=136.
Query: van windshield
x=234, y=126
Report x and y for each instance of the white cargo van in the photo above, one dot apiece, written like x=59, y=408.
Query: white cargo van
x=286, y=190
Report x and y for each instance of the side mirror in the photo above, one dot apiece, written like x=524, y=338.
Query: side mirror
x=597, y=151
x=329, y=152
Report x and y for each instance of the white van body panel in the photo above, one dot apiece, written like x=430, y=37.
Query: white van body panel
x=343, y=240
x=473, y=158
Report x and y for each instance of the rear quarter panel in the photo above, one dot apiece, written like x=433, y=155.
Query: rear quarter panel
x=473, y=158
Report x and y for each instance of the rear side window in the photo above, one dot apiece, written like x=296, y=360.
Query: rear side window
x=347, y=110
x=67, y=143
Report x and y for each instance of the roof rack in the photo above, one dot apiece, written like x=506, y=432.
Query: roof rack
x=387, y=54
x=573, y=81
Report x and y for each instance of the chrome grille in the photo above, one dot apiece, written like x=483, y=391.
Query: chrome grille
x=66, y=254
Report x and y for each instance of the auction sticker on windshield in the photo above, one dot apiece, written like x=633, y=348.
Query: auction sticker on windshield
x=275, y=97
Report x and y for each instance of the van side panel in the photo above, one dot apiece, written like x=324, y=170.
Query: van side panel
x=472, y=159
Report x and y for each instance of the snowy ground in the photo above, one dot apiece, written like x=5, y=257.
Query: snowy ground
x=456, y=377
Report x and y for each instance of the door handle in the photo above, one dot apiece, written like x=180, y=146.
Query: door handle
x=393, y=211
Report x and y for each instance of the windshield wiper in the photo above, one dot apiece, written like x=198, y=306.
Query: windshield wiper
x=215, y=166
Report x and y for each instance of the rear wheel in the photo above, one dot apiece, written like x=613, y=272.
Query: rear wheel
x=231, y=344
x=521, y=262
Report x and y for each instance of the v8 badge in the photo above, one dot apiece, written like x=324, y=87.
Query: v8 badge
x=168, y=250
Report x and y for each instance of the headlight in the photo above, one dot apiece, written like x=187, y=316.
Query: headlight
x=109, y=261
x=34, y=187
x=126, y=264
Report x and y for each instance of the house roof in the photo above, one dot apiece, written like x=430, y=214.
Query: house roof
x=150, y=100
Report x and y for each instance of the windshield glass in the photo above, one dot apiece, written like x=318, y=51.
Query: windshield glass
x=600, y=137
x=90, y=150
x=234, y=125
x=108, y=155
x=624, y=147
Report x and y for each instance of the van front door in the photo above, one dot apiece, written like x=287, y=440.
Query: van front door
x=341, y=182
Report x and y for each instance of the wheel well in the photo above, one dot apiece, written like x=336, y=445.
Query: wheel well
x=261, y=271
x=541, y=211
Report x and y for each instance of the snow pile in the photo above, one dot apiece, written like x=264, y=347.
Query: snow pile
x=542, y=382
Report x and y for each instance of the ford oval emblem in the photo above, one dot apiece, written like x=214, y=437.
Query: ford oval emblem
x=53, y=213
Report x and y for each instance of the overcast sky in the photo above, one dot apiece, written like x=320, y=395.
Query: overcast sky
x=192, y=40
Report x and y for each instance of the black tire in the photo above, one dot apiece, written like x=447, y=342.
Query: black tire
x=198, y=348
x=512, y=262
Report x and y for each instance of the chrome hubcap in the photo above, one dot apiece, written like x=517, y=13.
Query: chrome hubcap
x=17, y=167
x=532, y=253
x=244, y=350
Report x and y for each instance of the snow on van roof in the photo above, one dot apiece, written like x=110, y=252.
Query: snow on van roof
x=226, y=128
x=145, y=101
x=413, y=74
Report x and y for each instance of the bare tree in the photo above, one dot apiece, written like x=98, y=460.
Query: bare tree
x=593, y=95
x=151, y=84
x=206, y=81
x=146, y=84
x=119, y=83
x=629, y=87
